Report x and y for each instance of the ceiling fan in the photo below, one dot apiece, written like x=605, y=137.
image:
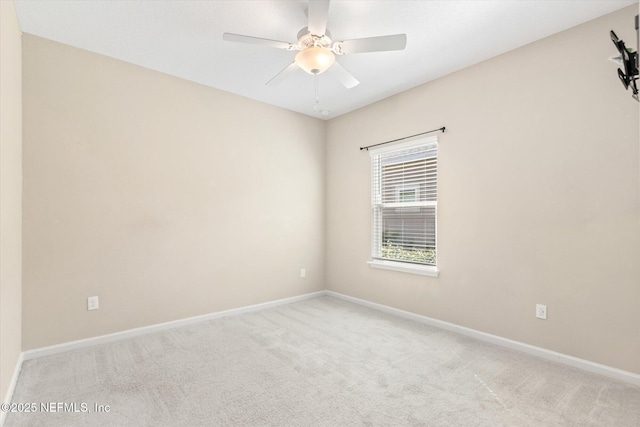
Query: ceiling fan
x=317, y=51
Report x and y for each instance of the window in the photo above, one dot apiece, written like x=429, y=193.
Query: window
x=404, y=205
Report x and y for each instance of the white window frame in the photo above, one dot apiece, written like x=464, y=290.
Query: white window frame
x=406, y=267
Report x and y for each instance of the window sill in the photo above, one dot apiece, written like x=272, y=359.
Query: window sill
x=425, y=270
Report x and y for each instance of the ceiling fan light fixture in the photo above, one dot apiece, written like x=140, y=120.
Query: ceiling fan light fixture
x=315, y=59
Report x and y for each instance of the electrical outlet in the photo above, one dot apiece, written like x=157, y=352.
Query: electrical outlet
x=303, y=272
x=541, y=311
x=92, y=303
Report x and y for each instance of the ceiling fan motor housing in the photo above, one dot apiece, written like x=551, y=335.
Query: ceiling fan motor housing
x=306, y=39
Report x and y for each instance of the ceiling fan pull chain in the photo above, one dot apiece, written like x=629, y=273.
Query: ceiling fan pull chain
x=315, y=107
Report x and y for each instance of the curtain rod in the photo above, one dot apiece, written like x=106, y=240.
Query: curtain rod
x=400, y=139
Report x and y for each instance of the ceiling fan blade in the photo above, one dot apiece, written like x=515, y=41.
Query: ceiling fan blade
x=375, y=44
x=318, y=12
x=343, y=76
x=238, y=38
x=282, y=75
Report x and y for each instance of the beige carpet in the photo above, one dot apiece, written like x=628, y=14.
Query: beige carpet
x=320, y=362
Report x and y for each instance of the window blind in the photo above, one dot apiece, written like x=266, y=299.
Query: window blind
x=404, y=202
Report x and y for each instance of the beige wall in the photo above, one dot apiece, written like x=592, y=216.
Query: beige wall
x=538, y=197
x=165, y=198
x=10, y=193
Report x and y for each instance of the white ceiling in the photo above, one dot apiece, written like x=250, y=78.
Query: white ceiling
x=184, y=38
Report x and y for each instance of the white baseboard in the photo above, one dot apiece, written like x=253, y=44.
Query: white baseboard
x=628, y=377
x=585, y=365
x=130, y=333
x=12, y=386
